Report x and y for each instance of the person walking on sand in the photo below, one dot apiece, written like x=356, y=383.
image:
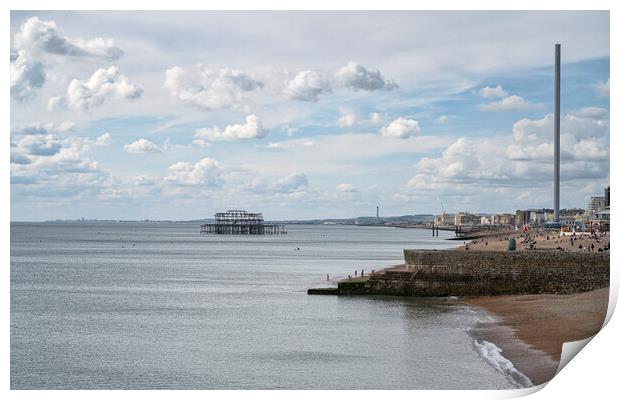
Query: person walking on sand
x=327, y=276
x=355, y=272
x=362, y=273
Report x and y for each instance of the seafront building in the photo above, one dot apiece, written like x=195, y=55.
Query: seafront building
x=486, y=220
x=596, y=203
x=600, y=221
x=598, y=215
x=465, y=218
x=444, y=219
x=595, y=217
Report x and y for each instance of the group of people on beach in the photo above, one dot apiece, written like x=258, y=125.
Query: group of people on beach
x=350, y=277
x=575, y=240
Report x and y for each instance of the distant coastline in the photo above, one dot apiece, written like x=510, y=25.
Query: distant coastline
x=409, y=220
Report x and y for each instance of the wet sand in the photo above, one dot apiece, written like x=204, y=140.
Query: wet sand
x=530, y=329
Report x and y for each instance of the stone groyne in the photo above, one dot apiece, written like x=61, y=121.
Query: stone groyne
x=482, y=273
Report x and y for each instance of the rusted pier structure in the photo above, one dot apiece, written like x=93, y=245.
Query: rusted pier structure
x=240, y=222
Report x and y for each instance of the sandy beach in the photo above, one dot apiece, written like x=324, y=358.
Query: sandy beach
x=531, y=329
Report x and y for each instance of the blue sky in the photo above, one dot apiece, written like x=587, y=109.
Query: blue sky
x=177, y=115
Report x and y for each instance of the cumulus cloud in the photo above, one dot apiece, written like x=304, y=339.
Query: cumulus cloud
x=506, y=102
x=40, y=145
x=493, y=92
x=306, y=86
x=401, y=128
x=525, y=160
x=345, y=187
x=51, y=166
x=103, y=85
x=252, y=129
x=602, y=89
x=26, y=76
x=36, y=34
x=510, y=103
x=347, y=120
x=358, y=77
x=583, y=136
x=142, y=146
x=206, y=172
x=208, y=89
x=103, y=140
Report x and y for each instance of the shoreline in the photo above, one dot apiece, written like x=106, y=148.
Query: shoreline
x=530, y=329
x=524, y=333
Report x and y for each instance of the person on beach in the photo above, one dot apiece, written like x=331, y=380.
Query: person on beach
x=362, y=273
x=327, y=276
x=355, y=272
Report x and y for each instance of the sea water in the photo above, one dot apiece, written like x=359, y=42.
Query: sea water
x=156, y=305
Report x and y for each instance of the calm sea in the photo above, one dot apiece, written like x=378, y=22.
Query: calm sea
x=156, y=305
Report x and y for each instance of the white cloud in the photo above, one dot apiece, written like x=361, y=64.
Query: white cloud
x=40, y=145
x=443, y=119
x=602, y=89
x=345, y=187
x=208, y=89
x=206, y=172
x=142, y=146
x=510, y=103
x=375, y=118
x=347, y=120
x=103, y=85
x=252, y=129
x=358, y=77
x=50, y=166
x=36, y=34
x=57, y=103
x=103, y=140
x=289, y=144
x=584, y=135
x=493, y=92
x=306, y=86
x=26, y=77
x=401, y=128
x=525, y=160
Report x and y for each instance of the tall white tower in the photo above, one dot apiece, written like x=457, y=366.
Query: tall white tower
x=556, y=138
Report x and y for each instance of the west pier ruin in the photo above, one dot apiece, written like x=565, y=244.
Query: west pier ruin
x=241, y=222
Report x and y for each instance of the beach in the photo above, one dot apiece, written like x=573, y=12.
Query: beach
x=530, y=329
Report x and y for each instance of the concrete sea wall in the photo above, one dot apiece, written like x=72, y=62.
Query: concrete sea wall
x=480, y=273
